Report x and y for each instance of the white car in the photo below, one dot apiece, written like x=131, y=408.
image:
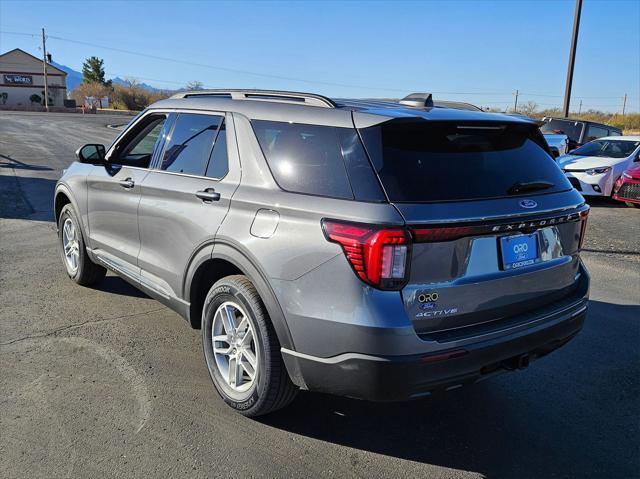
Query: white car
x=593, y=168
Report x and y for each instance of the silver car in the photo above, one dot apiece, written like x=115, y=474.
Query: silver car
x=374, y=249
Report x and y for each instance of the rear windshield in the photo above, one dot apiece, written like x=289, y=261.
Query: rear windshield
x=420, y=161
x=573, y=129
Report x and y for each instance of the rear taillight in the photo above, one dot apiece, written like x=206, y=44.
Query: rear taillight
x=379, y=255
x=584, y=216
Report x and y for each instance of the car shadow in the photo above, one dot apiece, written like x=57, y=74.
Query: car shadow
x=602, y=202
x=26, y=197
x=116, y=285
x=570, y=414
x=8, y=162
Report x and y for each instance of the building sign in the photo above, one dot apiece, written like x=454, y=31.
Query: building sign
x=18, y=79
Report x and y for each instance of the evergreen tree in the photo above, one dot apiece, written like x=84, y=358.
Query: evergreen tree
x=93, y=71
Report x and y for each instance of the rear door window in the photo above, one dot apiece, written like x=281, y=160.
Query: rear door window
x=191, y=143
x=317, y=160
x=420, y=161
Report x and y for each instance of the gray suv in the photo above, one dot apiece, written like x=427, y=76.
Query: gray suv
x=374, y=249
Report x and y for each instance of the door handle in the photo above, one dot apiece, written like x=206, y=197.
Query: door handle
x=208, y=195
x=128, y=183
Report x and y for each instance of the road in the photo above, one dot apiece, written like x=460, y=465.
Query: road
x=105, y=382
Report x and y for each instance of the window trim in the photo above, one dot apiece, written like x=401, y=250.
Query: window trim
x=155, y=165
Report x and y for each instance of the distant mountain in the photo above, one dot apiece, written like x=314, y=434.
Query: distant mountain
x=74, y=78
x=120, y=81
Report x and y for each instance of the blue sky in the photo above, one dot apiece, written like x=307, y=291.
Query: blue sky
x=477, y=51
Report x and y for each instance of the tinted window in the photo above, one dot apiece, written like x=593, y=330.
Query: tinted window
x=305, y=158
x=219, y=161
x=420, y=161
x=573, y=129
x=190, y=144
x=594, y=132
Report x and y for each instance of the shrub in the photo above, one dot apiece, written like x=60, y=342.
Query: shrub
x=133, y=97
x=84, y=90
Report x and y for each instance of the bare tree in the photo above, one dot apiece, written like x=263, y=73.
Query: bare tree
x=528, y=108
x=194, y=85
x=131, y=82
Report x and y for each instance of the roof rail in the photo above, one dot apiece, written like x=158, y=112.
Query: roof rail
x=422, y=100
x=265, y=95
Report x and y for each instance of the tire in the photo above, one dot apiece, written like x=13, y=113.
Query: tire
x=83, y=271
x=270, y=388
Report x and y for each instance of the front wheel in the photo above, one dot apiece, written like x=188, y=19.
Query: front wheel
x=79, y=266
x=242, y=350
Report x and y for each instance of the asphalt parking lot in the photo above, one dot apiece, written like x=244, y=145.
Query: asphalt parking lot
x=106, y=382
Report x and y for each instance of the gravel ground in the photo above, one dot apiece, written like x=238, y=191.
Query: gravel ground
x=105, y=382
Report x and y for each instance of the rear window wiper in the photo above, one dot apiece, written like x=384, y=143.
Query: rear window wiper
x=522, y=186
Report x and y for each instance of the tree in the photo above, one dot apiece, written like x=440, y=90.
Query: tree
x=194, y=85
x=93, y=71
x=35, y=98
x=528, y=109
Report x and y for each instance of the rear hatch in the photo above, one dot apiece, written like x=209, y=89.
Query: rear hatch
x=496, y=226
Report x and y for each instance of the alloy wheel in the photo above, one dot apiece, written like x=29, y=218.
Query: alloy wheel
x=234, y=347
x=70, y=245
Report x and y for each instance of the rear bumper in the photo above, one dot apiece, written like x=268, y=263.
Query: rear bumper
x=391, y=378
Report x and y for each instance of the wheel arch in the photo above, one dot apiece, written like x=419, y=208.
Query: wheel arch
x=226, y=260
x=63, y=197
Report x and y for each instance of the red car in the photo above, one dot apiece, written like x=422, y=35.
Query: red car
x=627, y=188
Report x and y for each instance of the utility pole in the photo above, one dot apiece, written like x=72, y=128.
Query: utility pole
x=44, y=66
x=580, y=108
x=624, y=104
x=572, y=57
x=515, y=106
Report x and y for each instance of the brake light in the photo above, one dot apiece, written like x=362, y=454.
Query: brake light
x=378, y=255
x=584, y=216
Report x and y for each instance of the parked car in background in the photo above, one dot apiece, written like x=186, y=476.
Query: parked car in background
x=627, y=188
x=578, y=132
x=594, y=168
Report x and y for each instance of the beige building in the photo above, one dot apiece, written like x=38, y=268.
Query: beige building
x=22, y=75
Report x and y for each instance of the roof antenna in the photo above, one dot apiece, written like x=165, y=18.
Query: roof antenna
x=420, y=100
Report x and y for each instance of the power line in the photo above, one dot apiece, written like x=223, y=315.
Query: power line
x=282, y=77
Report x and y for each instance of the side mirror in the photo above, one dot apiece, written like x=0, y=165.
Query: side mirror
x=91, y=153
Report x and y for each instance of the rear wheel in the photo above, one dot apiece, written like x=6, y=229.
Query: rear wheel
x=242, y=350
x=79, y=266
